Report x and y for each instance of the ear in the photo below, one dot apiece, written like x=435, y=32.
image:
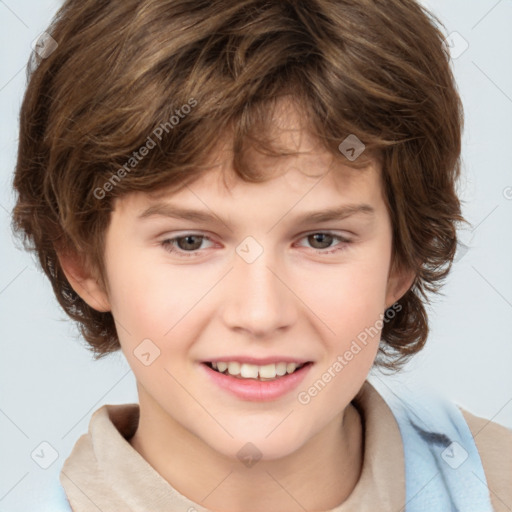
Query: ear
x=85, y=283
x=399, y=282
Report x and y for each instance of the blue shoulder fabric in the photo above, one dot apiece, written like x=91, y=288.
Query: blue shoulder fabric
x=56, y=501
x=443, y=469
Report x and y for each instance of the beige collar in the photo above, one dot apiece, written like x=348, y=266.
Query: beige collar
x=104, y=470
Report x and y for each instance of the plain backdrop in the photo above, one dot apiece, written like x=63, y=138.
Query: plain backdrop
x=49, y=383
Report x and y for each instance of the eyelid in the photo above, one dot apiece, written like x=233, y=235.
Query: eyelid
x=341, y=234
x=341, y=238
x=170, y=246
x=177, y=236
x=166, y=237
x=300, y=236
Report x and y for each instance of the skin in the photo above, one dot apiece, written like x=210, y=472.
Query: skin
x=294, y=300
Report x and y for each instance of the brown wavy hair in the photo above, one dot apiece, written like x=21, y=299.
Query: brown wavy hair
x=192, y=70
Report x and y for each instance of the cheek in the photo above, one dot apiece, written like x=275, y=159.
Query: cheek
x=146, y=297
x=350, y=301
x=351, y=305
x=138, y=297
x=350, y=296
x=163, y=303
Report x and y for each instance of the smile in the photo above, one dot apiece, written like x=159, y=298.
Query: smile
x=252, y=371
x=257, y=383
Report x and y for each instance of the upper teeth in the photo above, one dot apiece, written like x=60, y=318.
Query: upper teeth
x=253, y=371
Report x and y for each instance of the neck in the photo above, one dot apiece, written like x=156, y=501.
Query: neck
x=318, y=476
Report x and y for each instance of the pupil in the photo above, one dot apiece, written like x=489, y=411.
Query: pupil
x=321, y=238
x=188, y=243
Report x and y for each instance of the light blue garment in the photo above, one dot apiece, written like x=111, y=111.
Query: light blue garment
x=56, y=500
x=443, y=470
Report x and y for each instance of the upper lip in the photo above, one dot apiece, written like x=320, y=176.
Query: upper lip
x=258, y=361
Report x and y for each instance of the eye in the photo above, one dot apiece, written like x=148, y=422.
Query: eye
x=324, y=240
x=186, y=246
x=191, y=244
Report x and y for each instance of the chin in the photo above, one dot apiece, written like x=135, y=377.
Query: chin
x=250, y=446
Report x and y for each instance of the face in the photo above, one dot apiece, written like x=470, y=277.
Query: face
x=253, y=275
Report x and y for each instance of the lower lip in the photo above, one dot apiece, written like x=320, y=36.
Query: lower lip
x=257, y=390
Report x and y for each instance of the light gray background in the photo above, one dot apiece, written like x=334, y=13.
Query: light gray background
x=49, y=384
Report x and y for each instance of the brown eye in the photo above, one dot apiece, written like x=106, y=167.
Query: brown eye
x=189, y=242
x=325, y=243
x=320, y=240
x=187, y=246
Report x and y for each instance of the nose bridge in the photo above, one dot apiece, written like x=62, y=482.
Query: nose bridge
x=257, y=300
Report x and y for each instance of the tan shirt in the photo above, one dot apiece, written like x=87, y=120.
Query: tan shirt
x=106, y=472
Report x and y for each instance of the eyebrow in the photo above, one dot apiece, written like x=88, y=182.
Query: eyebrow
x=326, y=215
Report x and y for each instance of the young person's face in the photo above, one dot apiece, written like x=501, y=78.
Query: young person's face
x=253, y=282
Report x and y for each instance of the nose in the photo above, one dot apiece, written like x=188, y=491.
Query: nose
x=257, y=299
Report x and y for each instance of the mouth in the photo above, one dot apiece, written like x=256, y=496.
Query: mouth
x=269, y=380
x=262, y=373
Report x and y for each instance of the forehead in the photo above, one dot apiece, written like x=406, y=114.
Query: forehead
x=307, y=189
x=307, y=173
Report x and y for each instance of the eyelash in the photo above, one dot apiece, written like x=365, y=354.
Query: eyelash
x=170, y=244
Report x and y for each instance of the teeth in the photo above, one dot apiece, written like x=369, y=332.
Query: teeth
x=249, y=371
x=252, y=371
x=281, y=368
x=233, y=368
x=268, y=371
x=290, y=367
